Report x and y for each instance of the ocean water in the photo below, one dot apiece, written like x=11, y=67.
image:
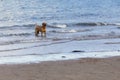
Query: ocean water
x=82, y=26
x=61, y=11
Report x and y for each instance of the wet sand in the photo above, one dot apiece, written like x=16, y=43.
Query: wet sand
x=84, y=69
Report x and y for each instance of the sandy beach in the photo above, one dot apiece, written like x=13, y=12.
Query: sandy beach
x=82, y=69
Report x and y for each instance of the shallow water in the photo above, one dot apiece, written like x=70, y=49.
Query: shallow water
x=80, y=25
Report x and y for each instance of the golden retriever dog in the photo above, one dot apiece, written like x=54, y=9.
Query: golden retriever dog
x=41, y=29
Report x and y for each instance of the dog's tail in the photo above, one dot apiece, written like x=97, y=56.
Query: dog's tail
x=36, y=31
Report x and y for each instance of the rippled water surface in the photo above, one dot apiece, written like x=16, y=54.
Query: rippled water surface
x=81, y=26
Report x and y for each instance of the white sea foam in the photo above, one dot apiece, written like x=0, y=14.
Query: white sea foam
x=54, y=57
x=117, y=24
x=72, y=31
x=68, y=31
x=61, y=25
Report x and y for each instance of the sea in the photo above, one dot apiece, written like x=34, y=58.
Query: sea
x=75, y=29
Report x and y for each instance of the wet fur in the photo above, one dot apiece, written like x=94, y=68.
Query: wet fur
x=41, y=29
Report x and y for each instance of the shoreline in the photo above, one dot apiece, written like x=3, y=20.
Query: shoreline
x=38, y=58
x=81, y=69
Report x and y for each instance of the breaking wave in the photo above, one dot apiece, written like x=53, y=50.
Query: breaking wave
x=57, y=25
x=91, y=24
x=70, y=30
x=96, y=24
x=65, y=25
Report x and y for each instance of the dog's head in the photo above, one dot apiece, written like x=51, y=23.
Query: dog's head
x=44, y=24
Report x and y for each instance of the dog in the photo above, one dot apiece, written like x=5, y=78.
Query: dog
x=41, y=29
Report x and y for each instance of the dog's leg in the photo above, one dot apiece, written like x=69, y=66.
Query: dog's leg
x=43, y=34
x=36, y=32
